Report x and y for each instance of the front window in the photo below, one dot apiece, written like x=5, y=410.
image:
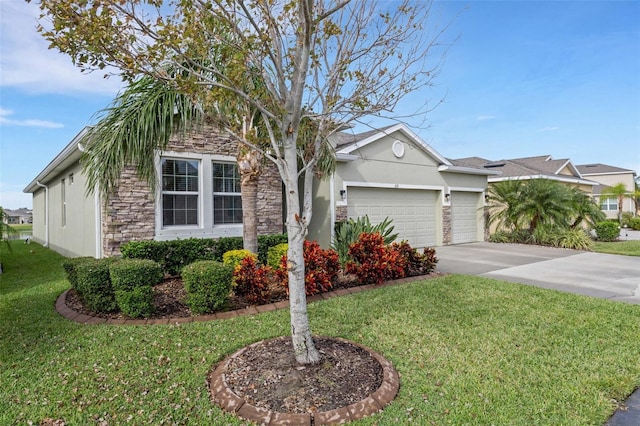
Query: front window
x=610, y=204
x=227, y=200
x=180, y=192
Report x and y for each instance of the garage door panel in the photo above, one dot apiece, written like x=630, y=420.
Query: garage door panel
x=464, y=217
x=412, y=211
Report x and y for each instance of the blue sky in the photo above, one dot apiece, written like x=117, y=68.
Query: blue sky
x=523, y=78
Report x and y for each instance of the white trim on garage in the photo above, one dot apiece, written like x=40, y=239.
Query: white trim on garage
x=412, y=211
x=465, y=216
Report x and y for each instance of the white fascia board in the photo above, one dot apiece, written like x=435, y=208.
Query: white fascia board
x=344, y=158
x=400, y=127
x=610, y=173
x=347, y=184
x=69, y=155
x=570, y=164
x=468, y=170
x=559, y=178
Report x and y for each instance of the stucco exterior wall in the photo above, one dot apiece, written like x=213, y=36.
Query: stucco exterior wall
x=71, y=214
x=39, y=218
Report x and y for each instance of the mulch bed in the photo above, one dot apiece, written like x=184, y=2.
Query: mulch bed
x=169, y=299
x=267, y=376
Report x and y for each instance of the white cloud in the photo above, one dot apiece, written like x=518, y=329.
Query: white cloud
x=485, y=117
x=28, y=64
x=548, y=129
x=26, y=123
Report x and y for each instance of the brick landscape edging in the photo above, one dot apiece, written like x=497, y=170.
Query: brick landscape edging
x=225, y=398
x=70, y=314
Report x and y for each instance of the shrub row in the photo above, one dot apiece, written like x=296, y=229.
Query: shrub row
x=111, y=284
x=577, y=239
x=176, y=254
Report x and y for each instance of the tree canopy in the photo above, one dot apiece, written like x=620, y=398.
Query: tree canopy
x=286, y=62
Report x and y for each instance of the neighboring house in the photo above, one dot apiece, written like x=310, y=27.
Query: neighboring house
x=608, y=176
x=383, y=173
x=392, y=173
x=18, y=217
x=527, y=168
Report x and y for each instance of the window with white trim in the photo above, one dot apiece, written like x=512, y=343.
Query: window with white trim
x=609, y=204
x=227, y=200
x=199, y=196
x=180, y=192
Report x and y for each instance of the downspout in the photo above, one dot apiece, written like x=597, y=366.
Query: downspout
x=46, y=213
x=332, y=204
x=97, y=216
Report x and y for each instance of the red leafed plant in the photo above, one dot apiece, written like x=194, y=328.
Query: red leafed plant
x=416, y=263
x=373, y=261
x=321, y=269
x=252, y=281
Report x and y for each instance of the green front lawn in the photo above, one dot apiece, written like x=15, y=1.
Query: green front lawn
x=627, y=248
x=469, y=350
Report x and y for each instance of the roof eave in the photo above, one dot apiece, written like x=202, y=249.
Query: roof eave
x=69, y=155
x=467, y=170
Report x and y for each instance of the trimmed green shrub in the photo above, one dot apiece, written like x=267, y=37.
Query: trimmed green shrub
x=94, y=285
x=634, y=223
x=275, y=255
x=348, y=233
x=208, y=285
x=234, y=257
x=607, y=231
x=136, y=303
x=265, y=242
x=128, y=274
x=175, y=254
x=133, y=281
x=70, y=265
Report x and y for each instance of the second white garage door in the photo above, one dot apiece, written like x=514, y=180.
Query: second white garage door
x=412, y=211
x=464, y=217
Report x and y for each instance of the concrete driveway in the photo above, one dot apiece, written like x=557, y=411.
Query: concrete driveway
x=605, y=276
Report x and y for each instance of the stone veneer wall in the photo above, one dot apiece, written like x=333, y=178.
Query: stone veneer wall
x=446, y=225
x=341, y=213
x=130, y=213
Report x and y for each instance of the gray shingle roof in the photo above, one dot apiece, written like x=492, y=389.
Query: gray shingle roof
x=598, y=168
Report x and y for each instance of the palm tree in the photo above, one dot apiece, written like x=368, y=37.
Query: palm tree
x=584, y=209
x=140, y=121
x=546, y=203
x=619, y=192
x=504, y=199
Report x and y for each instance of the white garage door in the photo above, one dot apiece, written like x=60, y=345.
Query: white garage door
x=412, y=211
x=464, y=217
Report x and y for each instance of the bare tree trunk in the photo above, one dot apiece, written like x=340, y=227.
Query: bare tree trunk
x=303, y=347
x=249, y=165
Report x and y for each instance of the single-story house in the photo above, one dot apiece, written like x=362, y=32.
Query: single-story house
x=607, y=176
x=18, y=217
x=388, y=172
